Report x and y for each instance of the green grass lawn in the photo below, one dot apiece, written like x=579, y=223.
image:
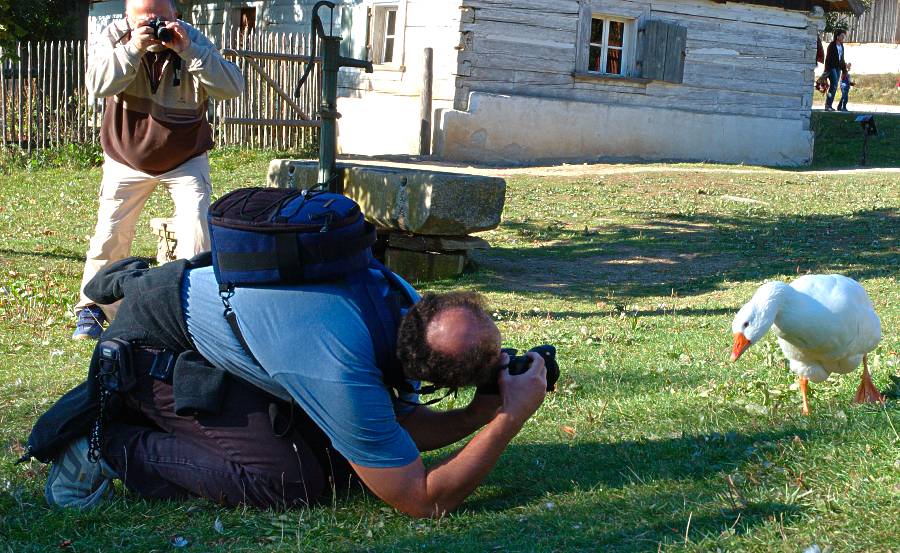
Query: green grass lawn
x=653, y=441
x=839, y=141
x=876, y=89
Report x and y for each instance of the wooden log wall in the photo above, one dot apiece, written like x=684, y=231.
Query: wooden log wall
x=741, y=59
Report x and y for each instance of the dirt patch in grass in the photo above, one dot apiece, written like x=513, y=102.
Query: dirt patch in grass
x=616, y=265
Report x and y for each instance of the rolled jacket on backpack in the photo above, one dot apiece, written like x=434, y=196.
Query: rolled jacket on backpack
x=151, y=316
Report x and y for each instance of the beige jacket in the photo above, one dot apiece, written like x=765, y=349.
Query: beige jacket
x=155, y=117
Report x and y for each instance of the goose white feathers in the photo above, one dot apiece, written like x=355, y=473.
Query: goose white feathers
x=825, y=324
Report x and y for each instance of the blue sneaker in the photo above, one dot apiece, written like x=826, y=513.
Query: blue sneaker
x=90, y=323
x=76, y=482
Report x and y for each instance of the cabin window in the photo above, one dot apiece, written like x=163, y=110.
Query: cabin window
x=609, y=45
x=248, y=19
x=386, y=28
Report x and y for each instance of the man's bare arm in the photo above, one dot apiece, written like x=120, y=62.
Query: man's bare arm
x=443, y=488
x=420, y=493
x=432, y=429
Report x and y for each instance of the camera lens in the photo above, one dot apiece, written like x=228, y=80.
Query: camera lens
x=163, y=33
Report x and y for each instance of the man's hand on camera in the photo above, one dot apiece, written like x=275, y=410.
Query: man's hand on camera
x=522, y=394
x=483, y=407
x=143, y=37
x=180, y=38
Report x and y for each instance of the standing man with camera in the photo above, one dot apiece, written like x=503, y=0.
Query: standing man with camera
x=156, y=74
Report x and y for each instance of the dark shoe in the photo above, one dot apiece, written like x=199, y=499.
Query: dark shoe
x=74, y=481
x=90, y=323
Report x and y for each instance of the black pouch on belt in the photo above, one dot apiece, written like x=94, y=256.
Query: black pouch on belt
x=115, y=363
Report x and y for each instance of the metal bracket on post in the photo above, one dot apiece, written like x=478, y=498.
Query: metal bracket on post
x=332, y=61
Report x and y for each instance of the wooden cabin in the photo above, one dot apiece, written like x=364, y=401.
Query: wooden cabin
x=523, y=81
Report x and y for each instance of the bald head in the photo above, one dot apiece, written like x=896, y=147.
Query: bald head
x=139, y=10
x=457, y=330
x=449, y=340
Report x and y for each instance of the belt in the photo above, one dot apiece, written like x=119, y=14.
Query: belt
x=157, y=362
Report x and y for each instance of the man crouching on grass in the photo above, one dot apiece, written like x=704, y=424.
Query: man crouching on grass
x=310, y=347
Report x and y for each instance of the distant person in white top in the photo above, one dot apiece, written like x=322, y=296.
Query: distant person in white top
x=834, y=66
x=154, y=132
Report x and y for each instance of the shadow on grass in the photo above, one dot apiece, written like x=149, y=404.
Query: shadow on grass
x=671, y=528
x=690, y=255
x=559, y=468
x=663, y=311
x=625, y=496
x=49, y=255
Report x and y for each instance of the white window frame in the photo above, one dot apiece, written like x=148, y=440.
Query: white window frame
x=609, y=10
x=378, y=24
x=392, y=37
x=626, y=47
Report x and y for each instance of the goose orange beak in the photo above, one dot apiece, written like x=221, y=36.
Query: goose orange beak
x=741, y=343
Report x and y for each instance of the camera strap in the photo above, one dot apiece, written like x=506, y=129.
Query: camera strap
x=425, y=390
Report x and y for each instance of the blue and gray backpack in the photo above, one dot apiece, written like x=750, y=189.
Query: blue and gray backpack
x=286, y=236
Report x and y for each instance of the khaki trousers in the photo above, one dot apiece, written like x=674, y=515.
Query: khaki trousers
x=123, y=193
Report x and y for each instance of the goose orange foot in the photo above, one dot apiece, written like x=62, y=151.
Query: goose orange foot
x=867, y=392
x=803, y=385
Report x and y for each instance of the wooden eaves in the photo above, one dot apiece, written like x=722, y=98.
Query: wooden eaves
x=854, y=6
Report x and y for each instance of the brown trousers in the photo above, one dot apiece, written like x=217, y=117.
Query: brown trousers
x=231, y=458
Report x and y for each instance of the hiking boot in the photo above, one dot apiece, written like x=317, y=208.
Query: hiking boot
x=90, y=323
x=76, y=482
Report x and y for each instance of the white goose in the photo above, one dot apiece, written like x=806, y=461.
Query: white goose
x=825, y=324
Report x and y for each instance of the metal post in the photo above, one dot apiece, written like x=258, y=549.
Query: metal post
x=332, y=61
x=865, y=147
x=427, y=86
x=328, y=113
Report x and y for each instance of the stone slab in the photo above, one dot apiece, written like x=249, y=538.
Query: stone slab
x=424, y=266
x=420, y=202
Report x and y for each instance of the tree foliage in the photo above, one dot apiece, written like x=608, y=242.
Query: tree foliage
x=835, y=20
x=22, y=20
x=39, y=19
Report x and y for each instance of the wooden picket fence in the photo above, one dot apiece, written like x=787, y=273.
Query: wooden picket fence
x=271, y=113
x=44, y=102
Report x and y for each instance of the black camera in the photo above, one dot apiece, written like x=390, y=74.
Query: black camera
x=518, y=364
x=159, y=29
